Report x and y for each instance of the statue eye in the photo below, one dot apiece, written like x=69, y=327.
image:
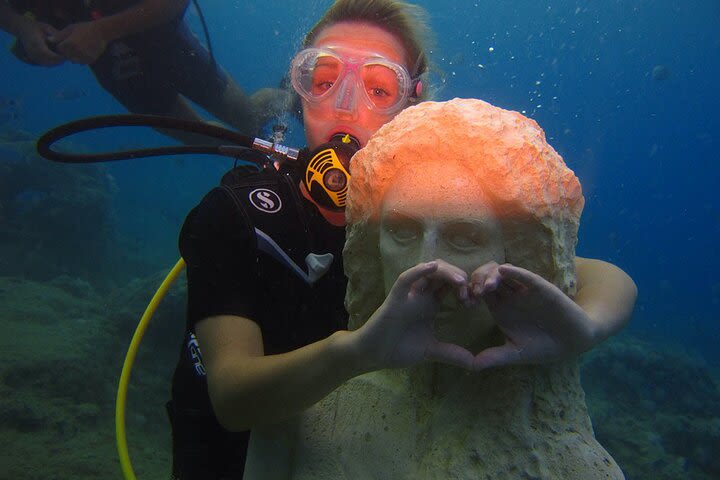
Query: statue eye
x=403, y=230
x=465, y=236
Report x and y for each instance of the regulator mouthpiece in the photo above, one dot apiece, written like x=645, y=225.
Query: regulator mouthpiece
x=347, y=139
x=328, y=171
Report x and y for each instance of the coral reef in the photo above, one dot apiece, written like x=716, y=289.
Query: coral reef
x=64, y=346
x=657, y=410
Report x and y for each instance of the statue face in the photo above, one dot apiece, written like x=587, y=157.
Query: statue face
x=450, y=219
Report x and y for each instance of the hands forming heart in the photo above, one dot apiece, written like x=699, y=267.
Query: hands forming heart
x=539, y=322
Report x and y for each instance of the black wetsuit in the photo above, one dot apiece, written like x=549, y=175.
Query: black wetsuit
x=145, y=71
x=231, y=271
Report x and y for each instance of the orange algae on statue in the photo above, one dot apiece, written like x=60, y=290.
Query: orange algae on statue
x=519, y=170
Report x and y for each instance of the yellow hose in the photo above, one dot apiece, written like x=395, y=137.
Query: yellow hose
x=121, y=401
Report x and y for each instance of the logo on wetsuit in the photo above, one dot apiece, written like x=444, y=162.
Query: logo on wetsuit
x=195, y=355
x=265, y=200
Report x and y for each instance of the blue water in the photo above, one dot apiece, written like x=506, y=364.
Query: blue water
x=645, y=149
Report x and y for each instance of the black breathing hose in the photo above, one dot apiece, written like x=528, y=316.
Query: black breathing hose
x=46, y=141
x=237, y=145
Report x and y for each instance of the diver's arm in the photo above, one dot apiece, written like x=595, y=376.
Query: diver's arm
x=11, y=21
x=606, y=294
x=140, y=17
x=85, y=42
x=248, y=388
x=31, y=34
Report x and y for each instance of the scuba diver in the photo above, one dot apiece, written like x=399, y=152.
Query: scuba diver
x=143, y=53
x=264, y=249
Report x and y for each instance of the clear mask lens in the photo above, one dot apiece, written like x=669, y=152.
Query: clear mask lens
x=318, y=74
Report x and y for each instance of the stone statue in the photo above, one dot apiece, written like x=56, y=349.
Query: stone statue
x=468, y=183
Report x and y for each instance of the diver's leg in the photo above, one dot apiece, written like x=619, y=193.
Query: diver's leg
x=128, y=74
x=249, y=114
x=204, y=82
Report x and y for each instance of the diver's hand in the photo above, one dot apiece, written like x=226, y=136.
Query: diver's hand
x=540, y=323
x=36, y=38
x=401, y=331
x=81, y=42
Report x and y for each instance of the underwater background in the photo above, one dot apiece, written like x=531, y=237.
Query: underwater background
x=626, y=92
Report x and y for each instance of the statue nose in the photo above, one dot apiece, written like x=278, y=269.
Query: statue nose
x=429, y=250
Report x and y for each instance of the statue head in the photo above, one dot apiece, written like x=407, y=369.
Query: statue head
x=463, y=181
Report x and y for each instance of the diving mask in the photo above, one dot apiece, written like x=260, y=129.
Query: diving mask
x=323, y=74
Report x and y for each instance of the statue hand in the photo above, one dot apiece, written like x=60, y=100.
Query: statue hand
x=81, y=42
x=401, y=331
x=540, y=323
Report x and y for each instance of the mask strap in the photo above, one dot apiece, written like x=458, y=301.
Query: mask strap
x=417, y=84
x=417, y=91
